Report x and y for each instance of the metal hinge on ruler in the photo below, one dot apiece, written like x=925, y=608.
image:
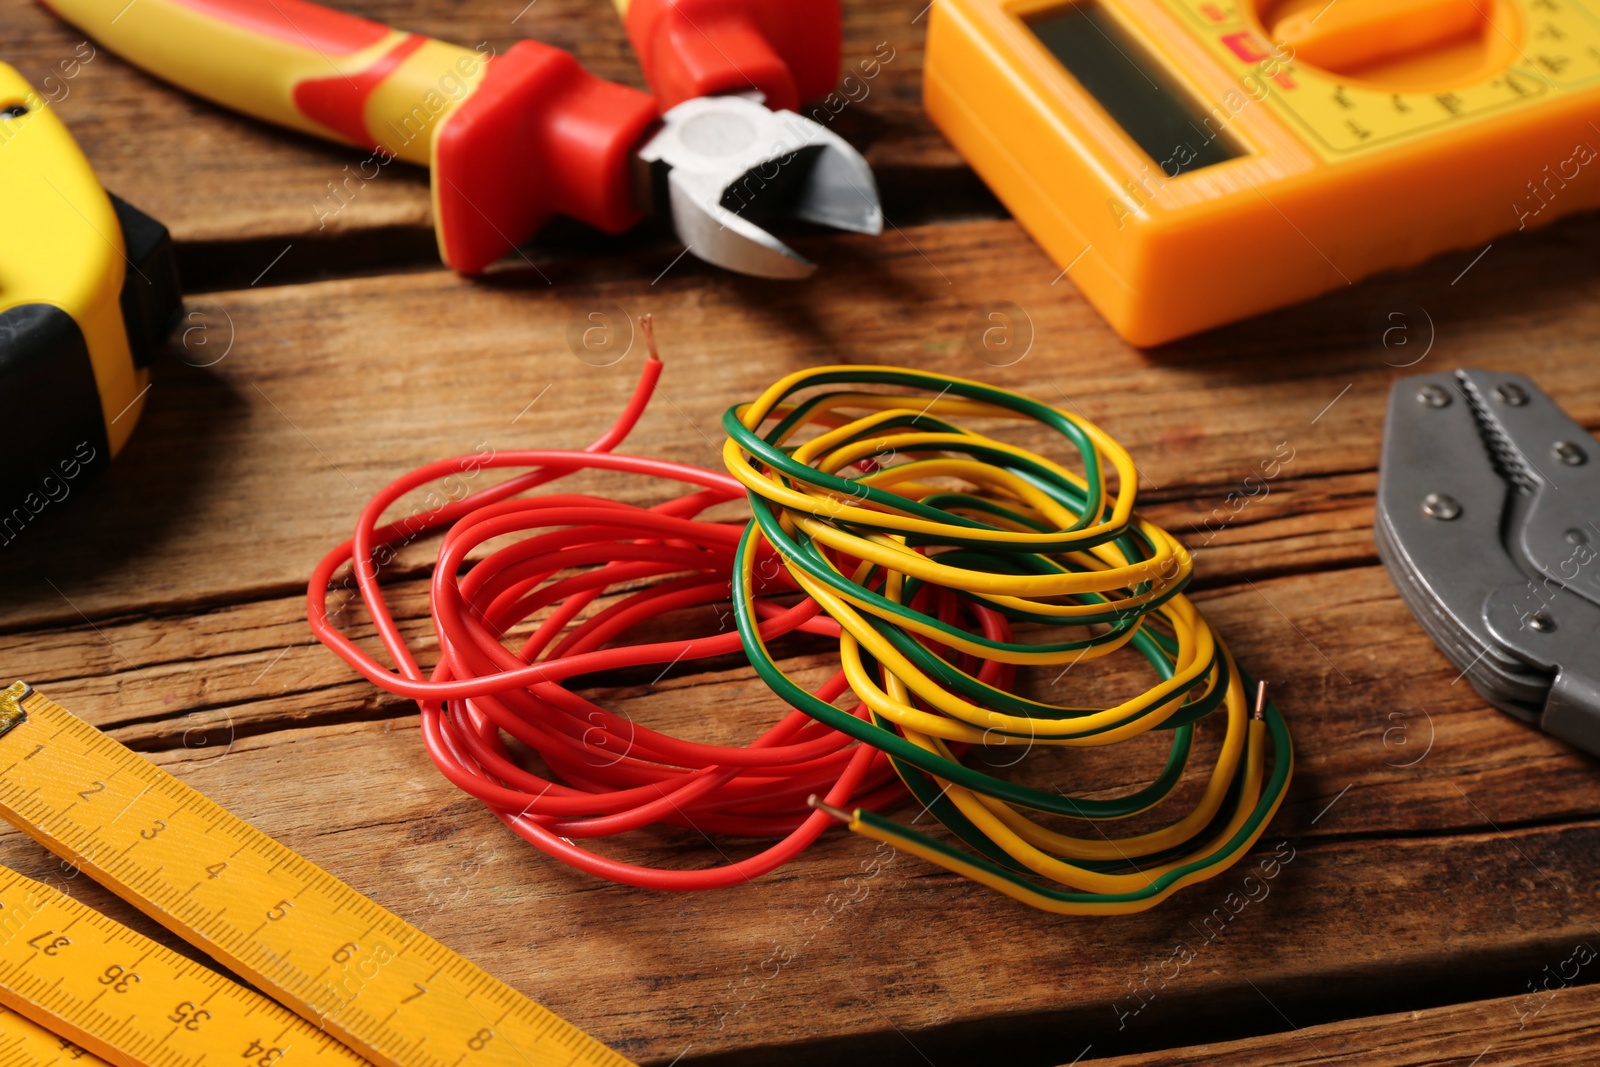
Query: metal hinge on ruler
x=1489, y=523
x=354, y=984
x=12, y=713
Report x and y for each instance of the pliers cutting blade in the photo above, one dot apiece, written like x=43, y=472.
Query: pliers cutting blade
x=1488, y=520
x=514, y=138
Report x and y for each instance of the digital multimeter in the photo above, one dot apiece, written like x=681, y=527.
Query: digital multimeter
x=1192, y=162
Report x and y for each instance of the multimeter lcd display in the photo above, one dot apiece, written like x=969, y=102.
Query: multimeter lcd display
x=1157, y=114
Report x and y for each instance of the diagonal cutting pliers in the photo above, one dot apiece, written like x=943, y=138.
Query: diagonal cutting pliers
x=512, y=139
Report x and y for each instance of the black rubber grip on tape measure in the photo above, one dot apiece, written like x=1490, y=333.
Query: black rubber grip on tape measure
x=52, y=431
x=152, y=298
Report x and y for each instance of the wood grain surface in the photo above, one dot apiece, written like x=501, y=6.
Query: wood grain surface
x=1474, y=1033
x=1427, y=895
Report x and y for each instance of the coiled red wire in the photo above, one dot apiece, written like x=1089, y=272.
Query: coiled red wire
x=608, y=774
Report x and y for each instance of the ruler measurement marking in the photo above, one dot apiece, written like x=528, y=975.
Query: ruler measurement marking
x=255, y=877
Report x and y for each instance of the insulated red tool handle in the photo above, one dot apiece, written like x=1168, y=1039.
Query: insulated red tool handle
x=788, y=49
x=512, y=139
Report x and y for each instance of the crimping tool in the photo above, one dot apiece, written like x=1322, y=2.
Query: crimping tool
x=1489, y=522
x=516, y=138
x=88, y=291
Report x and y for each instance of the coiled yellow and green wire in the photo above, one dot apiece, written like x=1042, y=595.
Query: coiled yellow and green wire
x=882, y=483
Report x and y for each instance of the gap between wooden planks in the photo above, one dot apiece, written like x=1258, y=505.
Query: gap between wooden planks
x=1554, y=1025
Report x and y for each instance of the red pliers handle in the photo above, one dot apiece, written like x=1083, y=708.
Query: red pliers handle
x=786, y=49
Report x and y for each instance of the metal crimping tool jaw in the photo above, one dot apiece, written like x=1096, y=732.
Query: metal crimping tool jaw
x=1488, y=520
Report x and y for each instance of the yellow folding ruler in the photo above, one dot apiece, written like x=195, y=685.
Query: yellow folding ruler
x=349, y=981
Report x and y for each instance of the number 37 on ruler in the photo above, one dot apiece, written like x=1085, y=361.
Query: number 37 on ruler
x=348, y=981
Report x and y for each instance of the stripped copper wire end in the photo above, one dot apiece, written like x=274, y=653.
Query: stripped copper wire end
x=1260, y=710
x=648, y=328
x=818, y=804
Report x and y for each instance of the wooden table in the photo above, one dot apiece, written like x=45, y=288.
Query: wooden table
x=1440, y=861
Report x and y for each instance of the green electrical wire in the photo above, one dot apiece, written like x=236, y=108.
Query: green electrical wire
x=927, y=541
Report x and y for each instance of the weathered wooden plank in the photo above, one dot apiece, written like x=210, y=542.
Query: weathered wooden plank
x=211, y=175
x=246, y=469
x=866, y=956
x=1388, y=738
x=1554, y=1024
x=165, y=601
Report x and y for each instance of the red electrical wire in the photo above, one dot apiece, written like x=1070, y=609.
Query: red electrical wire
x=609, y=774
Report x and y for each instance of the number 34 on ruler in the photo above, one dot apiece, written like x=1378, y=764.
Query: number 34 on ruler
x=350, y=982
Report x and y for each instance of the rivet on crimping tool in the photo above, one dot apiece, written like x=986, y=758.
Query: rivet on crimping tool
x=1508, y=583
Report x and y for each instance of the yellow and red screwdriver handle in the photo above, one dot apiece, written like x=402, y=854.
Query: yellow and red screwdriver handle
x=511, y=139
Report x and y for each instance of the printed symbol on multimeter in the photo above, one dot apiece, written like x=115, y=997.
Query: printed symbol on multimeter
x=1523, y=49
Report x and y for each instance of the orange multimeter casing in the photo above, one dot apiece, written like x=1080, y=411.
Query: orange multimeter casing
x=1188, y=165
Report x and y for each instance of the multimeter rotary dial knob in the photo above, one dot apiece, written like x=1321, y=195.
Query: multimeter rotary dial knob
x=1402, y=45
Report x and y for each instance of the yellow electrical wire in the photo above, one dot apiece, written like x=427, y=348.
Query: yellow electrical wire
x=929, y=542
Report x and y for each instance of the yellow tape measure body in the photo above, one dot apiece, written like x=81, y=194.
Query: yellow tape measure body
x=387, y=990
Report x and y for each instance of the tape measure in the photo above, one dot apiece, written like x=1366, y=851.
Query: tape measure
x=335, y=962
x=1190, y=162
x=88, y=293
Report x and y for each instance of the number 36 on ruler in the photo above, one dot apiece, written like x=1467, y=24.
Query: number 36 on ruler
x=349, y=981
